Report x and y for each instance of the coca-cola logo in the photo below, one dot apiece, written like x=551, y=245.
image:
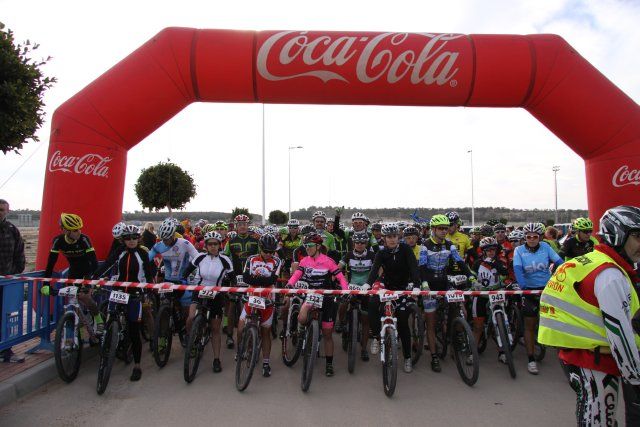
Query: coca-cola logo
x=88, y=164
x=625, y=176
x=433, y=63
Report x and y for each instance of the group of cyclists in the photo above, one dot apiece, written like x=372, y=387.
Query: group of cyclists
x=327, y=255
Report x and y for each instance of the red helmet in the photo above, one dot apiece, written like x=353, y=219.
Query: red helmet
x=313, y=238
x=241, y=218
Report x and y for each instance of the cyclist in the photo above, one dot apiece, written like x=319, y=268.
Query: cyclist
x=320, y=272
x=516, y=238
x=239, y=249
x=376, y=233
x=290, y=242
x=222, y=229
x=213, y=269
x=491, y=272
x=531, y=265
x=133, y=265
x=454, y=235
x=500, y=233
x=300, y=252
x=475, y=253
x=262, y=271
x=78, y=250
x=582, y=242
x=588, y=310
x=357, y=264
x=319, y=220
x=435, y=263
x=400, y=270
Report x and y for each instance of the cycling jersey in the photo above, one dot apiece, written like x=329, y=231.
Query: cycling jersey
x=261, y=272
x=358, y=265
x=134, y=265
x=489, y=271
x=474, y=253
x=239, y=249
x=461, y=240
x=289, y=244
x=211, y=270
x=80, y=255
x=572, y=247
x=175, y=258
x=531, y=266
x=399, y=267
x=320, y=272
x=437, y=261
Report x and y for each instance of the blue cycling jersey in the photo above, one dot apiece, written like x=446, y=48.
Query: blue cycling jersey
x=175, y=257
x=532, y=268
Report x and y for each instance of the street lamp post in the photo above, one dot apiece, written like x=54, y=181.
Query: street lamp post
x=555, y=170
x=291, y=148
x=473, y=208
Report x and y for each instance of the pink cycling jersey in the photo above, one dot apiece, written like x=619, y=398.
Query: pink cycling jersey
x=319, y=272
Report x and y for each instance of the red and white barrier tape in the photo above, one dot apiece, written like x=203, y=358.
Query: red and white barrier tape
x=239, y=289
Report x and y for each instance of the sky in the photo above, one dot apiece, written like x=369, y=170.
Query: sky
x=355, y=156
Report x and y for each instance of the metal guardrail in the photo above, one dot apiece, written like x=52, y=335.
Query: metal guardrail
x=27, y=314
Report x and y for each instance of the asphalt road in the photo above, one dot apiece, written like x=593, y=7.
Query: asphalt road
x=422, y=397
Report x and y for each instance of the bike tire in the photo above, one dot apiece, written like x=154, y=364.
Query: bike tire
x=274, y=323
x=108, y=350
x=352, y=344
x=291, y=341
x=514, y=316
x=390, y=362
x=67, y=370
x=247, y=356
x=463, y=344
x=482, y=345
x=441, y=333
x=506, y=345
x=417, y=334
x=310, y=352
x=162, y=333
x=194, y=346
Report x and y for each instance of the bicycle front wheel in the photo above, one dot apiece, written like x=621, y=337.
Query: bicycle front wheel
x=68, y=348
x=416, y=323
x=162, y=336
x=352, y=344
x=247, y=356
x=108, y=351
x=291, y=340
x=505, y=343
x=465, y=351
x=390, y=361
x=310, y=352
x=195, y=348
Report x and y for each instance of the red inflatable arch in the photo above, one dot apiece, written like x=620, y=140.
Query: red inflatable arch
x=92, y=131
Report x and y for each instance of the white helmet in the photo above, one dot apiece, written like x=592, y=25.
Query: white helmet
x=131, y=230
x=212, y=235
x=516, y=235
x=359, y=215
x=293, y=223
x=167, y=229
x=533, y=227
x=117, y=229
x=319, y=214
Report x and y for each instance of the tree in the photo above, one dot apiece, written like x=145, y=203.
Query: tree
x=22, y=87
x=278, y=217
x=237, y=211
x=164, y=185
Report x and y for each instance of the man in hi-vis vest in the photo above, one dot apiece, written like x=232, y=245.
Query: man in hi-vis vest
x=587, y=309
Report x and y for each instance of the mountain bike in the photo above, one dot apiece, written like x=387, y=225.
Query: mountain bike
x=389, y=343
x=311, y=341
x=291, y=336
x=199, y=335
x=169, y=320
x=250, y=341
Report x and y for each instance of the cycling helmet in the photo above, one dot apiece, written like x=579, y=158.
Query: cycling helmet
x=197, y=230
x=376, y=227
x=117, y=230
x=212, y=235
x=411, y=231
x=390, y=229
x=359, y=215
x=180, y=229
x=131, y=230
x=271, y=229
x=401, y=224
x=71, y=222
x=453, y=216
x=616, y=223
x=208, y=227
x=439, y=220
x=476, y=230
x=167, y=229
x=306, y=229
x=516, y=236
x=241, y=218
x=268, y=243
x=533, y=227
x=231, y=234
x=318, y=214
x=360, y=237
x=220, y=225
x=313, y=238
x=293, y=223
x=488, y=242
x=486, y=230
x=492, y=222
x=582, y=224
x=330, y=220
x=499, y=227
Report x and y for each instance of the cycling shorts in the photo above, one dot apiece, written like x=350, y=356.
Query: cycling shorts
x=479, y=307
x=328, y=311
x=530, y=305
x=215, y=305
x=134, y=308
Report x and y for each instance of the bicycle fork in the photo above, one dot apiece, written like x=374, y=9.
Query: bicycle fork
x=500, y=309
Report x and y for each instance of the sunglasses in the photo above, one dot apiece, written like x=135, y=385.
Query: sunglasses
x=129, y=238
x=443, y=228
x=533, y=237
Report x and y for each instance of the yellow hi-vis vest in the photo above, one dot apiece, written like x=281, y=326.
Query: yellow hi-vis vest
x=566, y=320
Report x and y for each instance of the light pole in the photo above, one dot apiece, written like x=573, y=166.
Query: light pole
x=473, y=208
x=291, y=148
x=555, y=170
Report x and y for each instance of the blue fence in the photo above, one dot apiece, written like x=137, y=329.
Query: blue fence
x=24, y=316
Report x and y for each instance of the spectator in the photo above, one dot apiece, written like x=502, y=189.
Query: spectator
x=148, y=235
x=11, y=261
x=551, y=235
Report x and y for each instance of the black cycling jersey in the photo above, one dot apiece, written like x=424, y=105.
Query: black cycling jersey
x=80, y=255
x=358, y=266
x=134, y=265
x=239, y=249
x=572, y=248
x=399, y=267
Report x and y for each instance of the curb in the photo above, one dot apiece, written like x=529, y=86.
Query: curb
x=33, y=378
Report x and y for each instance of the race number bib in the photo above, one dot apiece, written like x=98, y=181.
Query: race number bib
x=353, y=287
x=496, y=298
x=301, y=285
x=315, y=300
x=388, y=297
x=68, y=291
x=453, y=296
x=165, y=291
x=257, y=302
x=119, y=297
x=207, y=294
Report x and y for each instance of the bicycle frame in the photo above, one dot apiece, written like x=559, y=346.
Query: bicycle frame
x=388, y=321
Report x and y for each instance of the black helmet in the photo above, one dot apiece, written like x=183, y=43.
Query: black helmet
x=499, y=226
x=268, y=242
x=616, y=223
x=492, y=222
x=486, y=230
x=360, y=237
x=306, y=229
x=453, y=216
x=376, y=227
x=411, y=231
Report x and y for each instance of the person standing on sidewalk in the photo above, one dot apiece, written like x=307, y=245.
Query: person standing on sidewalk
x=11, y=261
